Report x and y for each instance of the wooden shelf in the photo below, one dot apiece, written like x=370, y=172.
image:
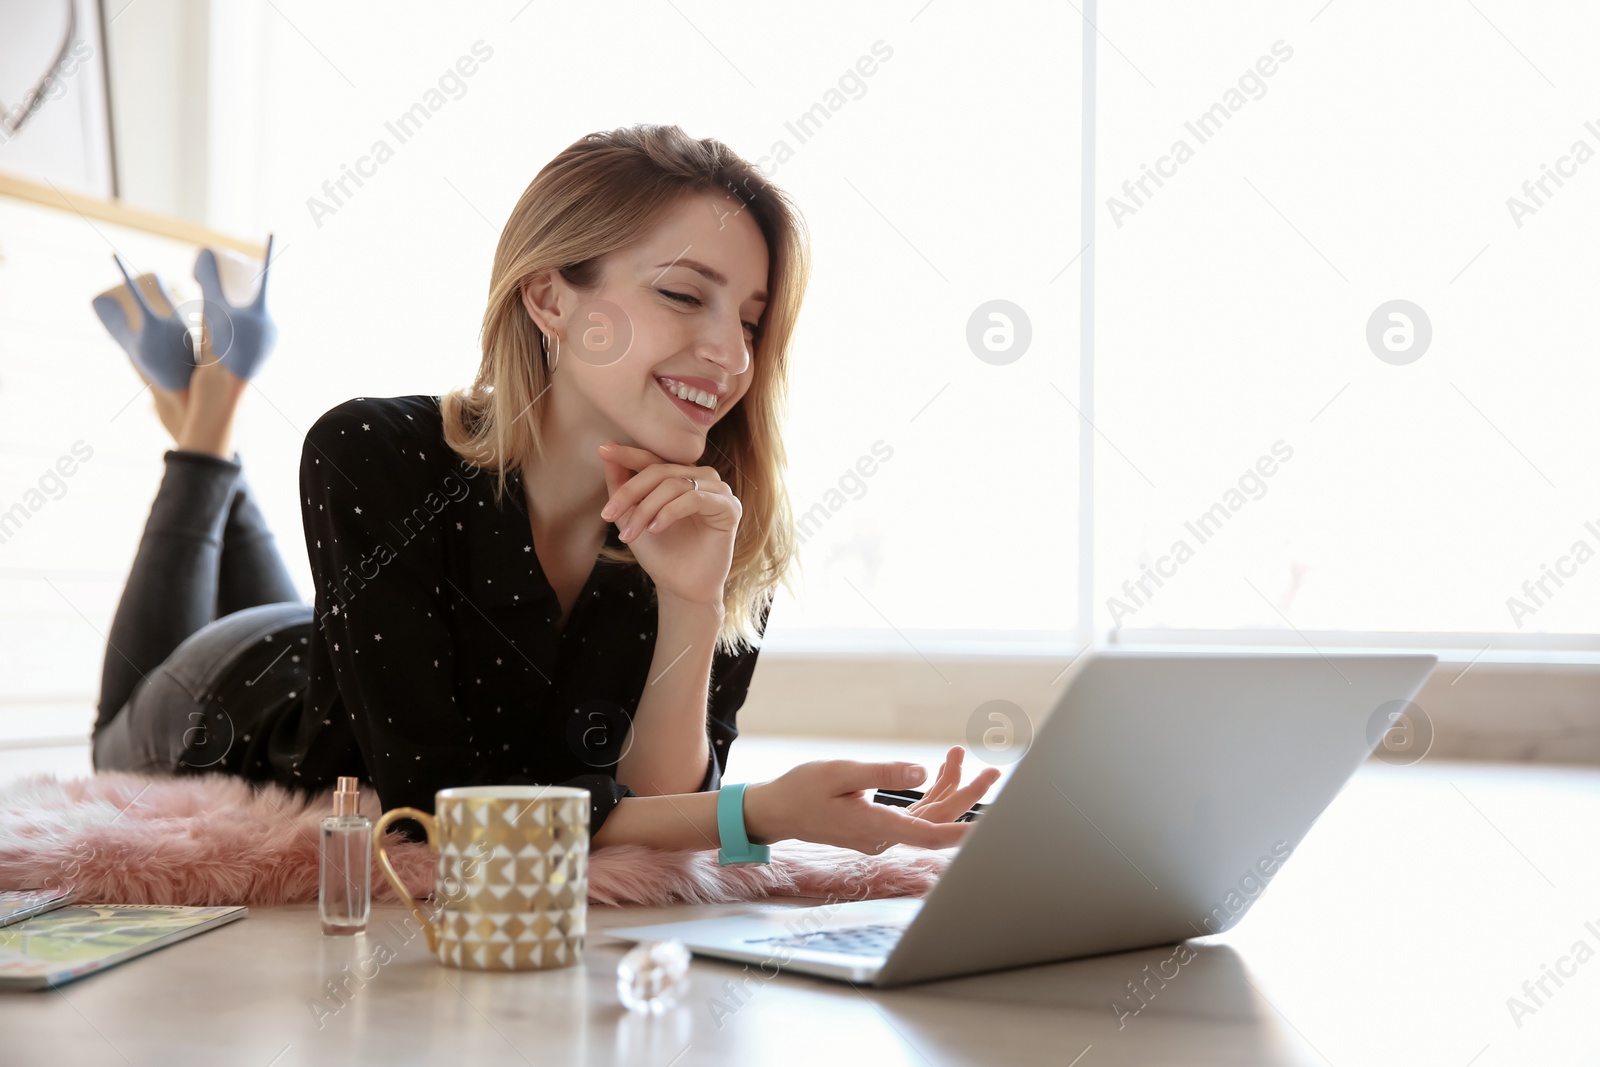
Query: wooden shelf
x=51, y=195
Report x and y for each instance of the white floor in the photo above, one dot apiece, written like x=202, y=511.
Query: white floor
x=1423, y=900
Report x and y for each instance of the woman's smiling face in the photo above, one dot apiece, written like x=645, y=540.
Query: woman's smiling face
x=685, y=306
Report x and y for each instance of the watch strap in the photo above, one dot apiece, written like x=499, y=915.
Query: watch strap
x=736, y=846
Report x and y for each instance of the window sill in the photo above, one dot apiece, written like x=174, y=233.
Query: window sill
x=1563, y=651
x=1507, y=703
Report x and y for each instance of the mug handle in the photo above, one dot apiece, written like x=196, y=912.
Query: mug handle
x=388, y=868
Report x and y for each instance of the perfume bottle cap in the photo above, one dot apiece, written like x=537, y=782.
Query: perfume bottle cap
x=347, y=797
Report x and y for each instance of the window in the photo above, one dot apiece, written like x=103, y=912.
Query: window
x=1271, y=184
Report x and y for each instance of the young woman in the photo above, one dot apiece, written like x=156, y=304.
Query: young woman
x=555, y=576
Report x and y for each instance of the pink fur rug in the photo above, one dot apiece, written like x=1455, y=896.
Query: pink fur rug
x=215, y=839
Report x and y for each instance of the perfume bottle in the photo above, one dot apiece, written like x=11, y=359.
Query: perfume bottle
x=344, y=896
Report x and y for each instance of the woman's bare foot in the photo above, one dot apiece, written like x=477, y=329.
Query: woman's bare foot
x=213, y=400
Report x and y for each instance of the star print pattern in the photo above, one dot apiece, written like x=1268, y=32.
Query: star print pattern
x=436, y=657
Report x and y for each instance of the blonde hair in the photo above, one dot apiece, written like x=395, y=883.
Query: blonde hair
x=604, y=192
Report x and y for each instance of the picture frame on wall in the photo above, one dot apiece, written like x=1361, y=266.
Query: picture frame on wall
x=55, y=108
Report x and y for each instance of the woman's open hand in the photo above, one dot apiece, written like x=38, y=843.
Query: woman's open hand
x=948, y=800
x=690, y=550
x=826, y=801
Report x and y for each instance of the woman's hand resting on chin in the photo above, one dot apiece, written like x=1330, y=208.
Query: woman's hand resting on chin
x=690, y=550
x=826, y=801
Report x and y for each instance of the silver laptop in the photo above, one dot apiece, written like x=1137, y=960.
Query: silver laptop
x=1156, y=803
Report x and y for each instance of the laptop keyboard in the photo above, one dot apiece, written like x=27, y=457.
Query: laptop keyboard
x=872, y=940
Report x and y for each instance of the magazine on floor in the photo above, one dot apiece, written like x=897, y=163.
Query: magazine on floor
x=79, y=939
x=19, y=904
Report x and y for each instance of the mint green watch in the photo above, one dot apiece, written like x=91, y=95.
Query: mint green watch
x=736, y=846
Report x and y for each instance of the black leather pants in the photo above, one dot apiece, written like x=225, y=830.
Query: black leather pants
x=209, y=634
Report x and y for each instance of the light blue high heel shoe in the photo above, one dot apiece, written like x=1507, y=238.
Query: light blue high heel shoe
x=160, y=345
x=241, y=335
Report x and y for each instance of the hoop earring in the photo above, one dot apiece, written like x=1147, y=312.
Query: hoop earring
x=549, y=364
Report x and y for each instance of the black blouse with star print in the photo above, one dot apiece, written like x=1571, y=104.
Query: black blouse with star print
x=436, y=659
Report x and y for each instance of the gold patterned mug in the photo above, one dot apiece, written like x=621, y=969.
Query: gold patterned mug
x=512, y=888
